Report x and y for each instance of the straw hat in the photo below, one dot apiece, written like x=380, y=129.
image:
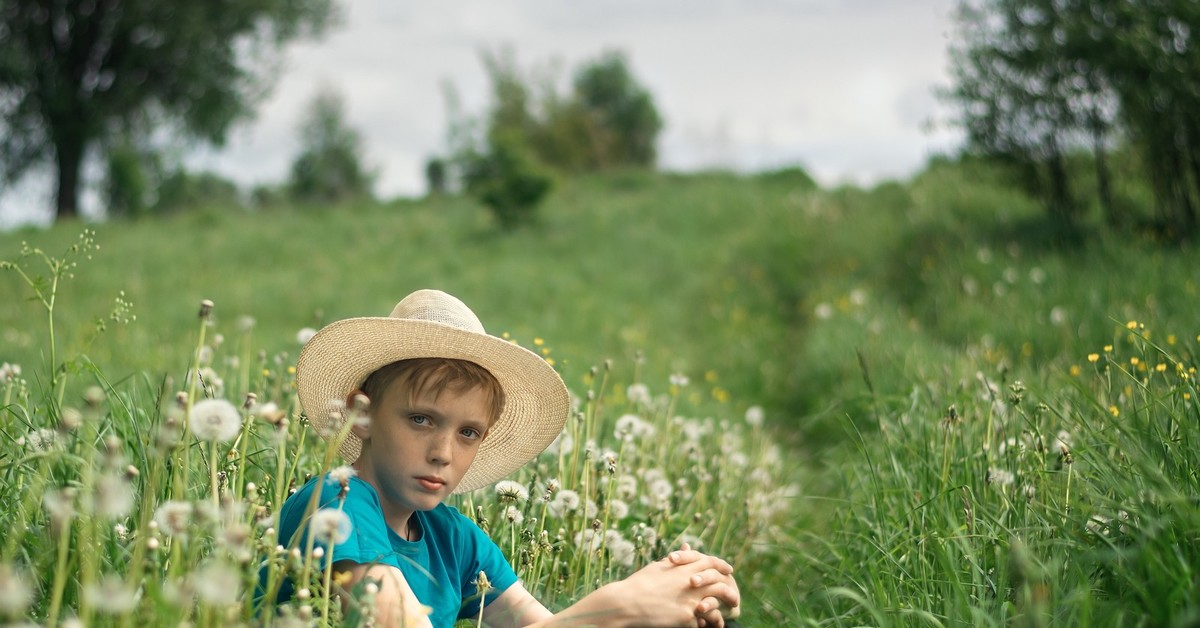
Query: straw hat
x=433, y=324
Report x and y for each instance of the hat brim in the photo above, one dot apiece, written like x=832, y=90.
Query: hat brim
x=337, y=359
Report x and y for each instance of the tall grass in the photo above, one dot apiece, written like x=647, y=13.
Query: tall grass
x=917, y=349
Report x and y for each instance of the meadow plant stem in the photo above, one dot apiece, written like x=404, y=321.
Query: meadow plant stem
x=212, y=474
x=60, y=573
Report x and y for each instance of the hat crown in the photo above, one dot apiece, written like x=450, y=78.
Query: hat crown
x=438, y=307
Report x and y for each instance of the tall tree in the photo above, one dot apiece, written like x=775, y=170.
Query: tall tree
x=329, y=168
x=77, y=72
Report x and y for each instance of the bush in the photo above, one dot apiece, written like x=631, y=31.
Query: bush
x=508, y=179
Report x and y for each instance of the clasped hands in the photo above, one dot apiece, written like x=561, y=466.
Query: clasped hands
x=686, y=588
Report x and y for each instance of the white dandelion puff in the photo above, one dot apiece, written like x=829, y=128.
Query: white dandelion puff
x=623, y=552
x=341, y=475
x=174, y=517
x=514, y=515
x=16, y=594
x=627, y=487
x=330, y=526
x=111, y=596
x=754, y=416
x=1000, y=477
x=679, y=379
x=216, y=584
x=114, y=497
x=618, y=509
x=638, y=394
x=215, y=420
x=510, y=491
x=305, y=334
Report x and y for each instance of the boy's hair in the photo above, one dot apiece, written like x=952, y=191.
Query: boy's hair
x=432, y=376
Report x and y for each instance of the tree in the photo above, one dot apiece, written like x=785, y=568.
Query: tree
x=328, y=169
x=1035, y=79
x=75, y=73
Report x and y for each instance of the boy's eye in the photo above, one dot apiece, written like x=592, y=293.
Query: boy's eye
x=470, y=432
x=419, y=419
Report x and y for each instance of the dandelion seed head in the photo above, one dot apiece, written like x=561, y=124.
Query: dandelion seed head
x=823, y=311
x=114, y=497
x=1000, y=477
x=638, y=394
x=508, y=491
x=618, y=509
x=16, y=594
x=41, y=440
x=514, y=515
x=60, y=504
x=330, y=526
x=341, y=475
x=679, y=379
x=111, y=596
x=174, y=517
x=304, y=335
x=754, y=416
x=215, y=420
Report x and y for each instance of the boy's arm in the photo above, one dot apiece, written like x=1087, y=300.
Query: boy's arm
x=395, y=602
x=685, y=589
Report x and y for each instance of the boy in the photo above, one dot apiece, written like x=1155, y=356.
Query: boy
x=453, y=409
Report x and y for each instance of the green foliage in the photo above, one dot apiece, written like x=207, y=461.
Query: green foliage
x=607, y=122
x=1038, y=79
x=508, y=179
x=183, y=190
x=128, y=187
x=73, y=74
x=329, y=169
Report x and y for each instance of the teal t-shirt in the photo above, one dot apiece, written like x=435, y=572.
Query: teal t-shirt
x=441, y=567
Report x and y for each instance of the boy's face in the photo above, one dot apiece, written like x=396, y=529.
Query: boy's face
x=416, y=451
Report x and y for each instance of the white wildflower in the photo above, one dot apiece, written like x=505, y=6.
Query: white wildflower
x=305, y=334
x=564, y=501
x=1063, y=441
x=1037, y=275
x=623, y=552
x=627, y=487
x=245, y=323
x=754, y=416
x=823, y=311
x=563, y=444
x=60, y=504
x=41, y=440
x=638, y=394
x=204, y=355
x=661, y=489
x=330, y=526
x=618, y=509
x=216, y=584
x=174, y=517
x=16, y=594
x=679, y=379
x=588, y=540
x=111, y=596
x=341, y=475
x=215, y=420
x=513, y=515
x=510, y=491
x=1000, y=477
x=9, y=372
x=1058, y=315
x=114, y=496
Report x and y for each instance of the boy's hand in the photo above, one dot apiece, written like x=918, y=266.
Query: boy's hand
x=713, y=610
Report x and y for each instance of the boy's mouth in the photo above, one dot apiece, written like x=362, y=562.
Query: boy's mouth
x=431, y=482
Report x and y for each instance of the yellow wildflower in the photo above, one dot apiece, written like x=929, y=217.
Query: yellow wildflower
x=1075, y=370
x=1161, y=368
x=1134, y=361
x=1131, y=325
x=1108, y=348
x=538, y=341
x=1171, y=339
x=1114, y=411
x=1093, y=357
x=291, y=370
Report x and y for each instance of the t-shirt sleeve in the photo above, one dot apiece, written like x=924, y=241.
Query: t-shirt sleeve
x=367, y=539
x=487, y=558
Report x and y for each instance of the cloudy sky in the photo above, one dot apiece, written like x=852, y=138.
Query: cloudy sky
x=843, y=87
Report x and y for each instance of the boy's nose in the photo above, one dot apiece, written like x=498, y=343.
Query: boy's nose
x=440, y=449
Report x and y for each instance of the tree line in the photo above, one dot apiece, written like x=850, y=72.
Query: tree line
x=1039, y=82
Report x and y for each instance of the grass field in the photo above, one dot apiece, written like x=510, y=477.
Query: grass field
x=968, y=419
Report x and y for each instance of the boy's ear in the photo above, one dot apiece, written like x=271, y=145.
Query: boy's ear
x=361, y=429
